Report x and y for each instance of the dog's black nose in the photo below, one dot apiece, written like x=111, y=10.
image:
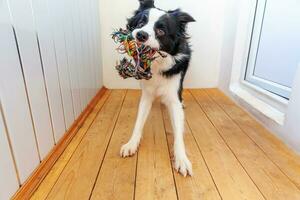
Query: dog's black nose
x=142, y=36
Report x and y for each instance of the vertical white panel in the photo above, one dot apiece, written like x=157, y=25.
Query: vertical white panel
x=71, y=10
x=95, y=8
x=27, y=41
x=8, y=181
x=91, y=19
x=83, y=79
x=79, y=51
x=98, y=37
x=46, y=42
x=90, y=25
x=87, y=23
x=96, y=24
x=71, y=55
x=86, y=55
x=57, y=18
x=14, y=100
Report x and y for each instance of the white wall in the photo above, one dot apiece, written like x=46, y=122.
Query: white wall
x=206, y=39
x=228, y=43
x=50, y=69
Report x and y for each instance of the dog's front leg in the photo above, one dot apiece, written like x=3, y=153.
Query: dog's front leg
x=131, y=146
x=182, y=163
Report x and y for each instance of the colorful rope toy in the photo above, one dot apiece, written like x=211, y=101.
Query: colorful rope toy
x=141, y=54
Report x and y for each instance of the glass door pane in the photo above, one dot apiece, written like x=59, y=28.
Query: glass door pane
x=275, y=45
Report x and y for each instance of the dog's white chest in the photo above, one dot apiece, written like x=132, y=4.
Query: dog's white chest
x=160, y=85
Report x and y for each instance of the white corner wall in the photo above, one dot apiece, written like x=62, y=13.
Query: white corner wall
x=228, y=43
x=206, y=39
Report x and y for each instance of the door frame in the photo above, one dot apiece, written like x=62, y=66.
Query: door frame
x=268, y=85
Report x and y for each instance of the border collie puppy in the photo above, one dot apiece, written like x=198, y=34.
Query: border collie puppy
x=165, y=31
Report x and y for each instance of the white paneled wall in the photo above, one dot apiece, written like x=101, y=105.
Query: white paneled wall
x=14, y=99
x=22, y=20
x=48, y=55
x=50, y=68
x=10, y=184
x=56, y=15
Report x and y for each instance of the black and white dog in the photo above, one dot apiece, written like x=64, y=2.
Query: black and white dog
x=166, y=31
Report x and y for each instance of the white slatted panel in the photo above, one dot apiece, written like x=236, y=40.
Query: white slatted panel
x=8, y=181
x=73, y=4
x=71, y=55
x=56, y=17
x=88, y=13
x=14, y=100
x=29, y=52
x=86, y=55
x=98, y=39
x=73, y=17
x=50, y=69
x=44, y=31
x=94, y=7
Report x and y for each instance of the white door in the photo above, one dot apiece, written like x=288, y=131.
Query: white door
x=274, y=53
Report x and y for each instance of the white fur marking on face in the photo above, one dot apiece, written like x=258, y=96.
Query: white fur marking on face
x=154, y=15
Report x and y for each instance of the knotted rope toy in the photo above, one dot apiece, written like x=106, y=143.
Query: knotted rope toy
x=141, y=54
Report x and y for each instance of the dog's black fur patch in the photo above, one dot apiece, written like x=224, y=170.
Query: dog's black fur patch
x=173, y=42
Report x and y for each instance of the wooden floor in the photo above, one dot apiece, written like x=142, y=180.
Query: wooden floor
x=233, y=156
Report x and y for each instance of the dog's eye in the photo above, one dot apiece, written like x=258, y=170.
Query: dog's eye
x=160, y=32
x=140, y=25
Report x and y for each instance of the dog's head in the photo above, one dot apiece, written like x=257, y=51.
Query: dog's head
x=157, y=28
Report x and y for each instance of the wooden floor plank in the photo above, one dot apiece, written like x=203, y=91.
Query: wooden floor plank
x=267, y=176
x=230, y=177
x=78, y=177
x=154, y=172
x=200, y=185
x=45, y=187
x=117, y=175
x=284, y=157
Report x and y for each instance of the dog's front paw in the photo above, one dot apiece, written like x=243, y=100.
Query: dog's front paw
x=128, y=149
x=183, y=166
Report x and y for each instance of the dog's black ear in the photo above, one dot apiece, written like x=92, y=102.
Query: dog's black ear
x=185, y=17
x=146, y=4
x=138, y=14
x=182, y=18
